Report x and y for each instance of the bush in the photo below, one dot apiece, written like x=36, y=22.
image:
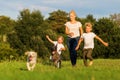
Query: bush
x=7, y=53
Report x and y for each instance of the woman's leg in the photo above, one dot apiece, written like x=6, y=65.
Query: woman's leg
x=72, y=43
x=73, y=52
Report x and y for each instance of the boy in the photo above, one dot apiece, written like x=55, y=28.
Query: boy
x=88, y=38
x=59, y=47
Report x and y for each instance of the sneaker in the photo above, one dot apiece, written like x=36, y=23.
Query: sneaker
x=50, y=57
x=91, y=62
x=74, y=65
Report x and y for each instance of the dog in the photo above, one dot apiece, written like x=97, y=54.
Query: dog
x=31, y=59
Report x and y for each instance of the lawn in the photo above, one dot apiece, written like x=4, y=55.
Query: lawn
x=102, y=69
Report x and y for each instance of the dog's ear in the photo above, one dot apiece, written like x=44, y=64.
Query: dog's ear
x=34, y=54
x=26, y=53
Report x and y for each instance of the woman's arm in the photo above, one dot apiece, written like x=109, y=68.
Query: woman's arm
x=67, y=32
x=81, y=31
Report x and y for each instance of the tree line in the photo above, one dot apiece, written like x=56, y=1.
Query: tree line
x=29, y=30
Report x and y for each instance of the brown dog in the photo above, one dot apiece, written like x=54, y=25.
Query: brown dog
x=31, y=59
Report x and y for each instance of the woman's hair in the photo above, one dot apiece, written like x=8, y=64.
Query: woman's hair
x=88, y=24
x=72, y=11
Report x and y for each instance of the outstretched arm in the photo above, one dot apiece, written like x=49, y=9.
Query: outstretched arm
x=50, y=40
x=104, y=43
x=78, y=45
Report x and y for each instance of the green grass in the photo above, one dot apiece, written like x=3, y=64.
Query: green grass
x=102, y=69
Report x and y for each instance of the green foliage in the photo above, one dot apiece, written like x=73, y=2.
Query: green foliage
x=6, y=27
x=109, y=32
x=29, y=31
x=88, y=18
x=115, y=17
x=7, y=53
x=57, y=20
x=27, y=35
x=52, y=35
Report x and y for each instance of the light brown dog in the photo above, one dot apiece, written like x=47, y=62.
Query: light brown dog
x=31, y=59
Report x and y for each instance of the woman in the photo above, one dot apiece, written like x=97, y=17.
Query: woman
x=73, y=30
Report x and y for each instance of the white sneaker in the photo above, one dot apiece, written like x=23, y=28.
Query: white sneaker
x=50, y=57
x=91, y=62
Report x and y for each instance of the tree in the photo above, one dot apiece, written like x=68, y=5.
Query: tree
x=116, y=18
x=88, y=18
x=27, y=33
x=57, y=20
x=6, y=26
x=109, y=32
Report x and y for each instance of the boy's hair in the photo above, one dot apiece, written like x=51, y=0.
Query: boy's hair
x=61, y=37
x=72, y=11
x=88, y=24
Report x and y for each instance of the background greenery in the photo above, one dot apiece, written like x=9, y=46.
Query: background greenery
x=29, y=30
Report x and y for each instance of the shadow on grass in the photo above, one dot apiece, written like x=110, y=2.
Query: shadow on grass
x=23, y=69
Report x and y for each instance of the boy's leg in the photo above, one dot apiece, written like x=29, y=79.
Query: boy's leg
x=89, y=56
x=57, y=58
x=55, y=63
x=59, y=61
x=85, y=57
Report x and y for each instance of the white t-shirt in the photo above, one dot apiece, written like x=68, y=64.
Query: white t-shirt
x=75, y=28
x=59, y=46
x=88, y=40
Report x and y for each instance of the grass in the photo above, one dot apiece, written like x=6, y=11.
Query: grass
x=102, y=69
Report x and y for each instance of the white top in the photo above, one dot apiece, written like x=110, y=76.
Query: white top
x=59, y=46
x=75, y=28
x=88, y=40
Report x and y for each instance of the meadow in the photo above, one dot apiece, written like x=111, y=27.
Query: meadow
x=102, y=69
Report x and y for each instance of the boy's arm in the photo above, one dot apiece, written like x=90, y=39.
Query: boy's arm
x=79, y=42
x=50, y=40
x=62, y=49
x=104, y=43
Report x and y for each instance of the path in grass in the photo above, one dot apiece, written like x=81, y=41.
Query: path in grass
x=102, y=69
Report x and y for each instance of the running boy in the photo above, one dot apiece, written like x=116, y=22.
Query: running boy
x=58, y=44
x=88, y=38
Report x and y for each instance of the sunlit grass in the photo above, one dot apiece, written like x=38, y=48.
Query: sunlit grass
x=102, y=69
